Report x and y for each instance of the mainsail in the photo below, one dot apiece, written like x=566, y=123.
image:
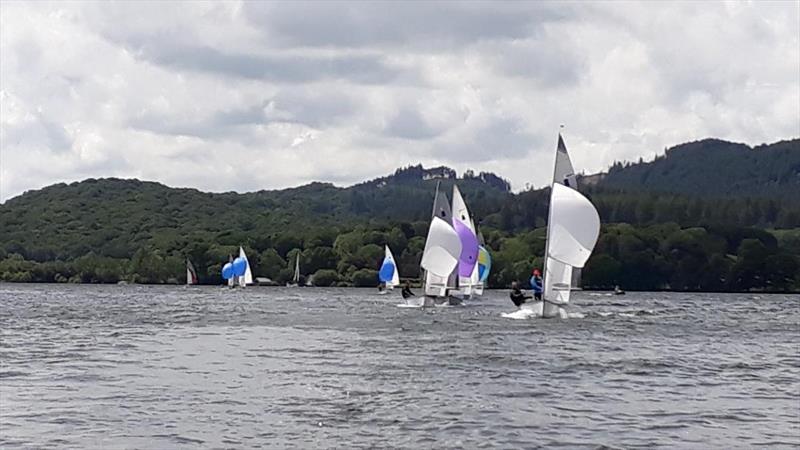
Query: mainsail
x=191, y=274
x=247, y=278
x=462, y=223
x=296, y=277
x=435, y=285
x=572, y=231
x=388, y=273
x=231, y=280
x=564, y=173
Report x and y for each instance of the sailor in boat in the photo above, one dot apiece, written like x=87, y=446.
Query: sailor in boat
x=618, y=291
x=517, y=296
x=536, y=284
x=406, y=292
x=381, y=288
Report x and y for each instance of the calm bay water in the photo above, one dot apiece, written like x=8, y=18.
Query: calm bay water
x=177, y=367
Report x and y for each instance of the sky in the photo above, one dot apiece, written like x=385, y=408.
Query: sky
x=244, y=96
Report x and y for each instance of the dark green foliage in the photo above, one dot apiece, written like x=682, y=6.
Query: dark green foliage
x=695, y=219
x=365, y=278
x=712, y=167
x=325, y=277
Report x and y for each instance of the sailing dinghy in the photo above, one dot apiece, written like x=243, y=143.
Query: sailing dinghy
x=573, y=227
x=247, y=278
x=296, y=277
x=191, y=274
x=388, y=274
x=440, y=256
x=467, y=261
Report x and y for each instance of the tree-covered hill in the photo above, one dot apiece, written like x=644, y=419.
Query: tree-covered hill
x=110, y=229
x=715, y=168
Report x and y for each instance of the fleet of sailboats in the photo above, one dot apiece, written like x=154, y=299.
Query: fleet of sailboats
x=456, y=261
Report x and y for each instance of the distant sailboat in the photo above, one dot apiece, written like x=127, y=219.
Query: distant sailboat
x=296, y=277
x=573, y=227
x=247, y=278
x=191, y=274
x=388, y=274
x=231, y=280
x=483, y=268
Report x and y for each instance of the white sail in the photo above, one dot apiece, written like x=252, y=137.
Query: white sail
x=563, y=173
x=572, y=231
x=247, y=278
x=188, y=276
x=575, y=226
x=436, y=285
x=461, y=213
x=571, y=235
x=559, y=276
x=296, y=277
x=475, y=283
x=442, y=249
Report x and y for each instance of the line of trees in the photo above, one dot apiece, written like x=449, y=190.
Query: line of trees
x=664, y=256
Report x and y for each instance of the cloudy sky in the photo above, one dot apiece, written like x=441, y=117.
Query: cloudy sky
x=246, y=96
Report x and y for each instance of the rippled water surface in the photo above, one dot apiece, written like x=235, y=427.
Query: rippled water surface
x=175, y=367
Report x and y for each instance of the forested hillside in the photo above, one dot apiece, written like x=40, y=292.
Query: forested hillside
x=671, y=223
x=713, y=168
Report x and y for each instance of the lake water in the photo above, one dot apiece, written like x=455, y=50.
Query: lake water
x=177, y=367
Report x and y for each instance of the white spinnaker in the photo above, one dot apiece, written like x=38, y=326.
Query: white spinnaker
x=442, y=249
x=572, y=232
x=564, y=173
x=395, y=281
x=247, y=278
x=575, y=227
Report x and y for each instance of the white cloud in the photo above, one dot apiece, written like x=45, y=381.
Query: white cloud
x=246, y=96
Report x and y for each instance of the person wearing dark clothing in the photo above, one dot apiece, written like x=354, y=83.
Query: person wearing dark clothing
x=536, y=284
x=406, y=292
x=517, y=296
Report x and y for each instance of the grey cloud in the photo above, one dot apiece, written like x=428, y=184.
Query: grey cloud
x=426, y=24
x=409, y=124
x=315, y=110
x=364, y=69
x=498, y=139
x=548, y=62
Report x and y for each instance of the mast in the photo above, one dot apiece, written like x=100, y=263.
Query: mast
x=549, y=228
